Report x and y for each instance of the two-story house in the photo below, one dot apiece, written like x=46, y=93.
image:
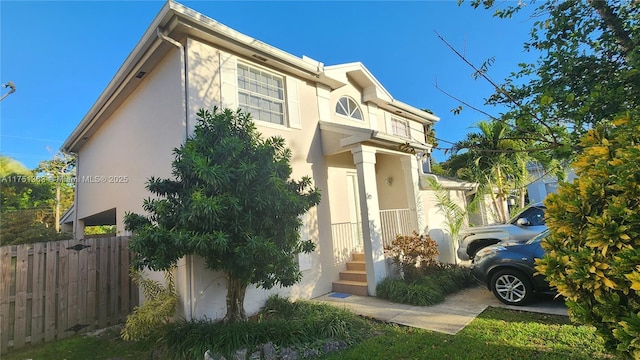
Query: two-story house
x=344, y=129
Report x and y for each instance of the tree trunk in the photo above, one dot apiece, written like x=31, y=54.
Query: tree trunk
x=236, y=290
x=615, y=24
x=501, y=195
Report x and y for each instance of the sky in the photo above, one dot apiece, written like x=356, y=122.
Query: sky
x=61, y=55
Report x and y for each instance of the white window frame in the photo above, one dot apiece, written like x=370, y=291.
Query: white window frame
x=268, y=98
x=349, y=112
x=396, y=129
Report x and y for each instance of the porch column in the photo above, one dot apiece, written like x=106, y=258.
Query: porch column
x=365, y=160
x=411, y=169
x=78, y=232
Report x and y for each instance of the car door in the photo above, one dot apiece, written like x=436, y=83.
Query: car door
x=533, y=224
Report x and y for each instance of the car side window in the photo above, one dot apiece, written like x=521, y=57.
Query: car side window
x=535, y=216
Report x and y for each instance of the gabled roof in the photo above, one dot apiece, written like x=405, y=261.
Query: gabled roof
x=373, y=91
x=177, y=21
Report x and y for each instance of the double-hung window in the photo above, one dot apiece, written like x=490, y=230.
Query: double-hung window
x=261, y=93
x=400, y=128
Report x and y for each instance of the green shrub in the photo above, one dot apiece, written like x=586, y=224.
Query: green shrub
x=593, y=251
x=412, y=252
x=431, y=285
x=281, y=322
x=158, y=309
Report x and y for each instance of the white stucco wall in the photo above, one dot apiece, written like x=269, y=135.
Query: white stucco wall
x=390, y=177
x=136, y=142
x=436, y=222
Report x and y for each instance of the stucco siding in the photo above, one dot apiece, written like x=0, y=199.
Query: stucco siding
x=136, y=142
x=392, y=192
x=203, y=78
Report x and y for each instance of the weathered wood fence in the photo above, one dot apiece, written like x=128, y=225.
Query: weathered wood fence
x=53, y=290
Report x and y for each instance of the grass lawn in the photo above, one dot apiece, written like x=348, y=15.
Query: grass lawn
x=496, y=333
x=107, y=345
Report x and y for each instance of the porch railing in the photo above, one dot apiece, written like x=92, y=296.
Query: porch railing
x=347, y=239
x=397, y=222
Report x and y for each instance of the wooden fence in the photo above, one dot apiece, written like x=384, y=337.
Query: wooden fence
x=53, y=290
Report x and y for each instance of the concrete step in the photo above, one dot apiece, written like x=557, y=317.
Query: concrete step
x=356, y=265
x=350, y=287
x=358, y=256
x=354, y=275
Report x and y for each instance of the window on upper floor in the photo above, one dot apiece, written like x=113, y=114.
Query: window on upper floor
x=400, y=127
x=261, y=93
x=347, y=107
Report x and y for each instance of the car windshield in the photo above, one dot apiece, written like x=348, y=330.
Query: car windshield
x=538, y=237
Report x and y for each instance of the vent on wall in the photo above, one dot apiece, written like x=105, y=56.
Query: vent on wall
x=261, y=58
x=141, y=74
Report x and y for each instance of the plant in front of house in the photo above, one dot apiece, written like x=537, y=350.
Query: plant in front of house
x=302, y=326
x=158, y=309
x=412, y=252
x=230, y=201
x=593, y=251
x=425, y=281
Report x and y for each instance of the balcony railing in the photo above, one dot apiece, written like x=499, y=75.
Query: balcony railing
x=397, y=222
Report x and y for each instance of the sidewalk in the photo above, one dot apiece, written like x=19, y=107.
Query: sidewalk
x=448, y=317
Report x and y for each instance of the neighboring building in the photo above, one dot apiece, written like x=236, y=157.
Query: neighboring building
x=344, y=129
x=542, y=183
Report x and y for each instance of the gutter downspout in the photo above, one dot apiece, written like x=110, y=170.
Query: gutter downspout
x=184, y=71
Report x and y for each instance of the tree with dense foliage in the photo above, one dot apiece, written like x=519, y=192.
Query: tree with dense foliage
x=593, y=251
x=588, y=70
x=27, y=204
x=9, y=166
x=232, y=202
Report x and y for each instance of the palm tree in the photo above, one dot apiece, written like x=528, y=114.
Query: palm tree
x=496, y=160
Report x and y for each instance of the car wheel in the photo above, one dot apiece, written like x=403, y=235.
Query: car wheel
x=511, y=287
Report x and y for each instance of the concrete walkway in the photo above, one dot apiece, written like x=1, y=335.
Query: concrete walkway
x=448, y=317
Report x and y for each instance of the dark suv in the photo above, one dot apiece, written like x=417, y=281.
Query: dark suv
x=508, y=270
x=522, y=227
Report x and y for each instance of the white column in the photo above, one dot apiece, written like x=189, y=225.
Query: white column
x=78, y=232
x=411, y=168
x=365, y=160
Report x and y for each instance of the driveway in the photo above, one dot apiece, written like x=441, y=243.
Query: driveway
x=448, y=317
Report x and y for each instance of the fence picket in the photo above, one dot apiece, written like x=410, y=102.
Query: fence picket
x=20, y=325
x=37, y=306
x=72, y=289
x=5, y=289
x=50, y=291
x=103, y=258
x=81, y=316
x=113, y=281
x=124, y=279
x=91, y=283
x=63, y=289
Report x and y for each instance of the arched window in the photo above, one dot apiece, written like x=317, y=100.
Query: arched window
x=347, y=107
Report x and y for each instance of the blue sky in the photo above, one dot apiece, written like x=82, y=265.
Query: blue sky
x=61, y=55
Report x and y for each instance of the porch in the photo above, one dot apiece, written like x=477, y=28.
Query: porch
x=348, y=236
x=349, y=249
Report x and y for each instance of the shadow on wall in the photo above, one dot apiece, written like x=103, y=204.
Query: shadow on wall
x=447, y=251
